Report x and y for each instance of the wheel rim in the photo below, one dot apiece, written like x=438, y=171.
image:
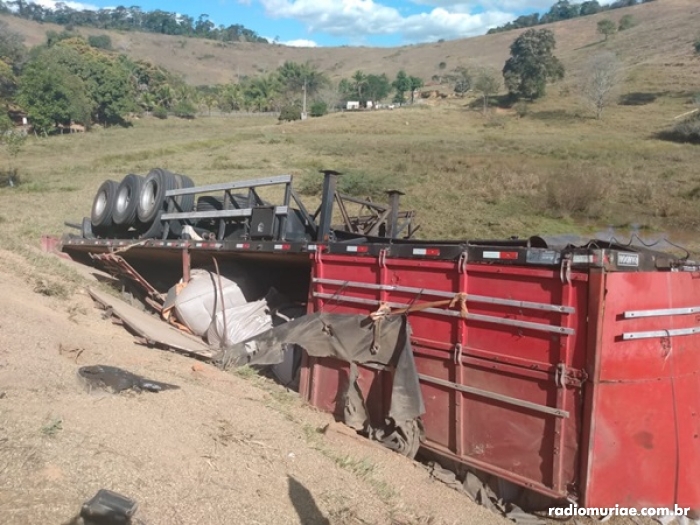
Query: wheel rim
x=148, y=196
x=123, y=199
x=101, y=203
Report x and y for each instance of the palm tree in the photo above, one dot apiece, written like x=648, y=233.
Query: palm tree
x=360, y=80
x=297, y=77
x=230, y=98
x=261, y=92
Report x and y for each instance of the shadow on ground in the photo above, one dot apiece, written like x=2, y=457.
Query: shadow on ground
x=304, y=504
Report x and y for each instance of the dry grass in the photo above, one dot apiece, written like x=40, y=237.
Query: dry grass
x=553, y=171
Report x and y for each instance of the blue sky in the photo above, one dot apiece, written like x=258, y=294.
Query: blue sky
x=347, y=22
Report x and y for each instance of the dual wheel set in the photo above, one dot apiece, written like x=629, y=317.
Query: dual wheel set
x=133, y=207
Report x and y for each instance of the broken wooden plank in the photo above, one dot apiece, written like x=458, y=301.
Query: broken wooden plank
x=151, y=328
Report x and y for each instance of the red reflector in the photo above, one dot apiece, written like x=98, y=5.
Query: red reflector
x=282, y=246
x=426, y=251
x=357, y=249
x=244, y=246
x=509, y=255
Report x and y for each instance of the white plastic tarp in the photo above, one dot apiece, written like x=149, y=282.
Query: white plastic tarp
x=201, y=299
x=239, y=323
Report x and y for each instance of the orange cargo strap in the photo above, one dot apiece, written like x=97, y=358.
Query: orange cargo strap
x=384, y=309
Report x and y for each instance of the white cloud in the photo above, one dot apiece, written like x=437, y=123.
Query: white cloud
x=466, y=6
x=300, y=43
x=51, y=4
x=360, y=18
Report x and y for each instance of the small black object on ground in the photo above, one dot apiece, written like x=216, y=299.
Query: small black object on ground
x=116, y=380
x=108, y=508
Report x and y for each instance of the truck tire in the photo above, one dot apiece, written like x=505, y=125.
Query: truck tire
x=127, y=200
x=184, y=203
x=103, y=205
x=152, y=197
x=155, y=229
x=210, y=203
x=86, y=229
x=188, y=201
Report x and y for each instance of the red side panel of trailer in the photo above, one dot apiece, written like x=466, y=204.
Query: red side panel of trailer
x=501, y=388
x=581, y=384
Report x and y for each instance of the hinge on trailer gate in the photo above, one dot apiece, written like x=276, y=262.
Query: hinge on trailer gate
x=382, y=258
x=564, y=377
x=565, y=271
x=462, y=263
x=458, y=353
x=560, y=378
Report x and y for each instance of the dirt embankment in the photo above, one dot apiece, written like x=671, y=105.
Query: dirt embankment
x=223, y=448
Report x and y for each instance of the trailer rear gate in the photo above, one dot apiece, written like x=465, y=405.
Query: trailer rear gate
x=575, y=383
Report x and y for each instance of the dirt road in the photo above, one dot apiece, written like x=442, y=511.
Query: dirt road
x=224, y=448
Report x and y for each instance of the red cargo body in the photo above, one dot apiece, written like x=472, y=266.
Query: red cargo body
x=546, y=383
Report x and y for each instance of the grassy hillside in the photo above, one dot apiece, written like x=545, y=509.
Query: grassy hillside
x=555, y=169
x=660, y=42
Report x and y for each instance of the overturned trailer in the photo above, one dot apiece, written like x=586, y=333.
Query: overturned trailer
x=572, y=370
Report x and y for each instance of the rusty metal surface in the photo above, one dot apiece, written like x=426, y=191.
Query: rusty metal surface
x=152, y=329
x=120, y=268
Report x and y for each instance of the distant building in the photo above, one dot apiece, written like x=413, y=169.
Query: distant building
x=352, y=104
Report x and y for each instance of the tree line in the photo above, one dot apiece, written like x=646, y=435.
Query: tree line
x=131, y=19
x=72, y=79
x=564, y=10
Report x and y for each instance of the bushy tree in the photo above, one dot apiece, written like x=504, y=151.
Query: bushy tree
x=100, y=41
x=626, y=22
x=462, y=79
x=488, y=84
x=404, y=83
x=185, y=109
x=365, y=88
x=607, y=28
x=90, y=86
x=562, y=10
x=589, y=7
x=319, y=108
x=8, y=82
x=160, y=112
x=12, y=54
x=52, y=95
x=290, y=113
x=54, y=37
x=377, y=87
x=12, y=50
x=532, y=64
